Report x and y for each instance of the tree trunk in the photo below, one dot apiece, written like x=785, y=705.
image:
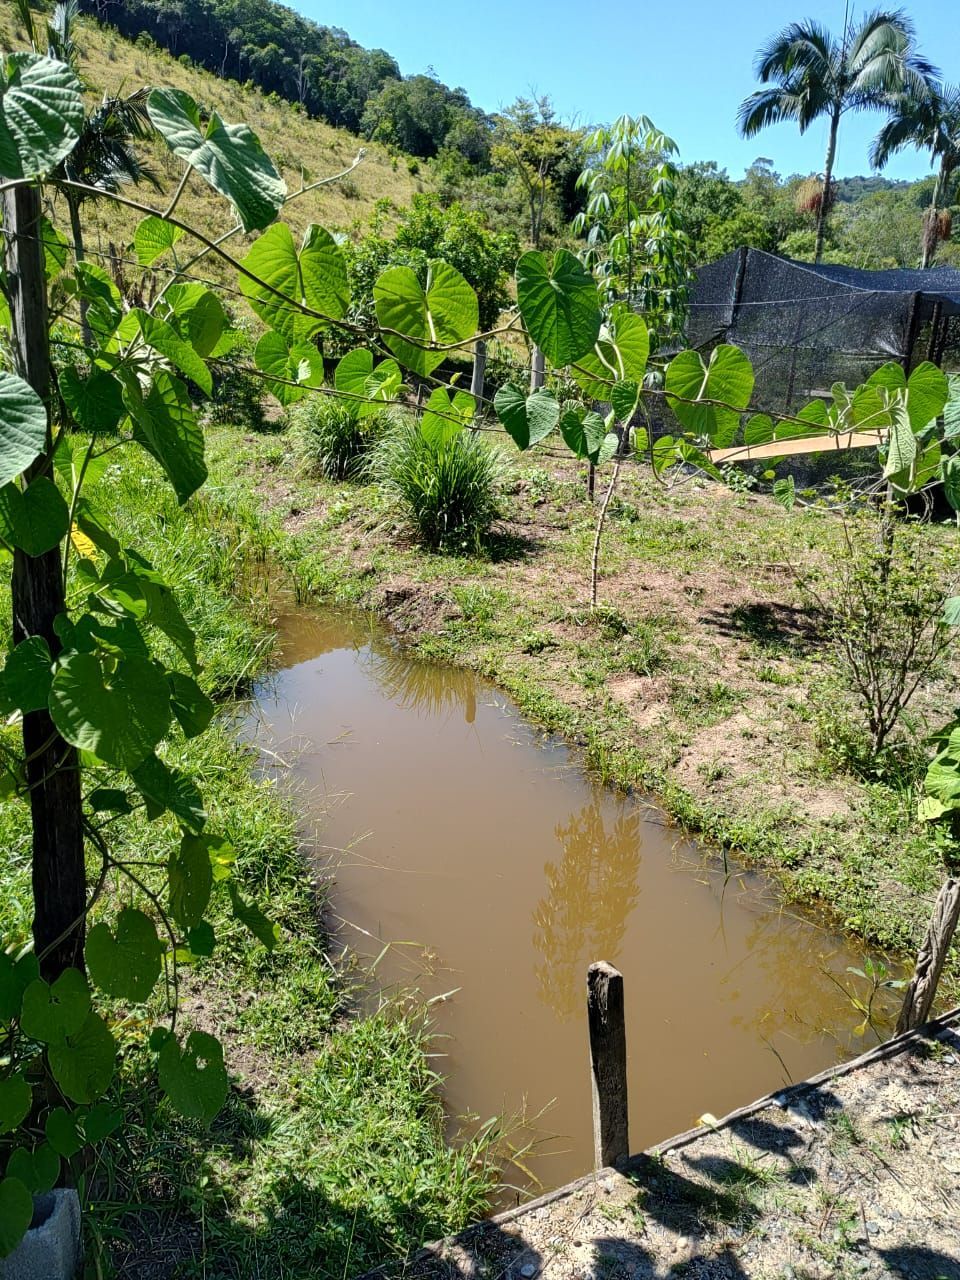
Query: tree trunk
x=79, y=254
x=825, y=195
x=52, y=767
x=928, y=238
x=477, y=376
x=598, y=536
x=920, y=994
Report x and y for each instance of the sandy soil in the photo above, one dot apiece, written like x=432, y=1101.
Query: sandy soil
x=855, y=1174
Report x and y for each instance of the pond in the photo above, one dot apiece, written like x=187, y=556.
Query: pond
x=475, y=860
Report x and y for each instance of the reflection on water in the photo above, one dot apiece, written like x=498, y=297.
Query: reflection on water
x=449, y=823
x=426, y=687
x=590, y=892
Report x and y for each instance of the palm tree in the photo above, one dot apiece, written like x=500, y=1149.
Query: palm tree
x=812, y=74
x=929, y=120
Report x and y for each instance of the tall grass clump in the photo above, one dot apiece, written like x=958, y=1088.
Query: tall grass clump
x=446, y=487
x=331, y=440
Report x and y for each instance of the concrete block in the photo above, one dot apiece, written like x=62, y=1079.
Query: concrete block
x=52, y=1248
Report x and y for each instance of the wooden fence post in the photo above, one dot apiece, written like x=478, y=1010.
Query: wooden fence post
x=919, y=998
x=608, y=1061
x=537, y=370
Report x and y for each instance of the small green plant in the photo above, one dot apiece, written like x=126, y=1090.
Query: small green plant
x=446, y=486
x=331, y=440
x=878, y=978
x=883, y=602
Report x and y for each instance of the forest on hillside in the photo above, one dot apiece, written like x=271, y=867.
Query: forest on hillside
x=518, y=167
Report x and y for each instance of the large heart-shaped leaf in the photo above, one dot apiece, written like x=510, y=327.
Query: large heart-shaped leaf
x=166, y=342
x=229, y=156
x=287, y=281
x=927, y=393
x=16, y=1214
x=41, y=114
x=559, y=304
x=191, y=879
x=94, y=400
x=585, y=432
x=82, y=1065
x=153, y=237
x=50, y=1013
x=619, y=355
x=292, y=370
x=63, y=1133
x=198, y=316
x=166, y=425
x=16, y=1098
x=23, y=426
x=38, y=1169
x=125, y=965
x=413, y=318
x=526, y=419
x=34, y=519
x=727, y=377
x=194, y=1077
x=26, y=677
x=367, y=387
x=445, y=416
x=119, y=716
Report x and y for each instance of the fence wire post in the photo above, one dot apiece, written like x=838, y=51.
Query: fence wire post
x=608, y=1061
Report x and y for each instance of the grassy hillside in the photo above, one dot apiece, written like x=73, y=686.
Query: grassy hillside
x=296, y=144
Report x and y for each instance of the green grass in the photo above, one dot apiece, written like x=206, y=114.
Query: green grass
x=446, y=490
x=330, y=1155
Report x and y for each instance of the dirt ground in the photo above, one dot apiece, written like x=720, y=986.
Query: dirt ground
x=853, y=1174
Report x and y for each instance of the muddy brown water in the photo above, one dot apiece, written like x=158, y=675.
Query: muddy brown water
x=477, y=852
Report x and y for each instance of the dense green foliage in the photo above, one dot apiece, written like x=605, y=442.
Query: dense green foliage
x=429, y=229
x=875, y=223
x=321, y=68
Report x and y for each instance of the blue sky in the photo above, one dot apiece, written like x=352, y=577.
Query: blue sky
x=686, y=63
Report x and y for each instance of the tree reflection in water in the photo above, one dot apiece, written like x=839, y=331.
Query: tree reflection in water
x=809, y=988
x=590, y=893
x=417, y=685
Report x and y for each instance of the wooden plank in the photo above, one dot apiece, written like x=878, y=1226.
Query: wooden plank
x=790, y=448
x=608, y=1061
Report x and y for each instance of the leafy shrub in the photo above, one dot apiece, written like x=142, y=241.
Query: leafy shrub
x=330, y=439
x=446, y=488
x=883, y=602
x=238, y=398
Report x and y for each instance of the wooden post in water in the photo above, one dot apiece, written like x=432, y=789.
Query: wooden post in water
x=919, y=998
x=608, y=1064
